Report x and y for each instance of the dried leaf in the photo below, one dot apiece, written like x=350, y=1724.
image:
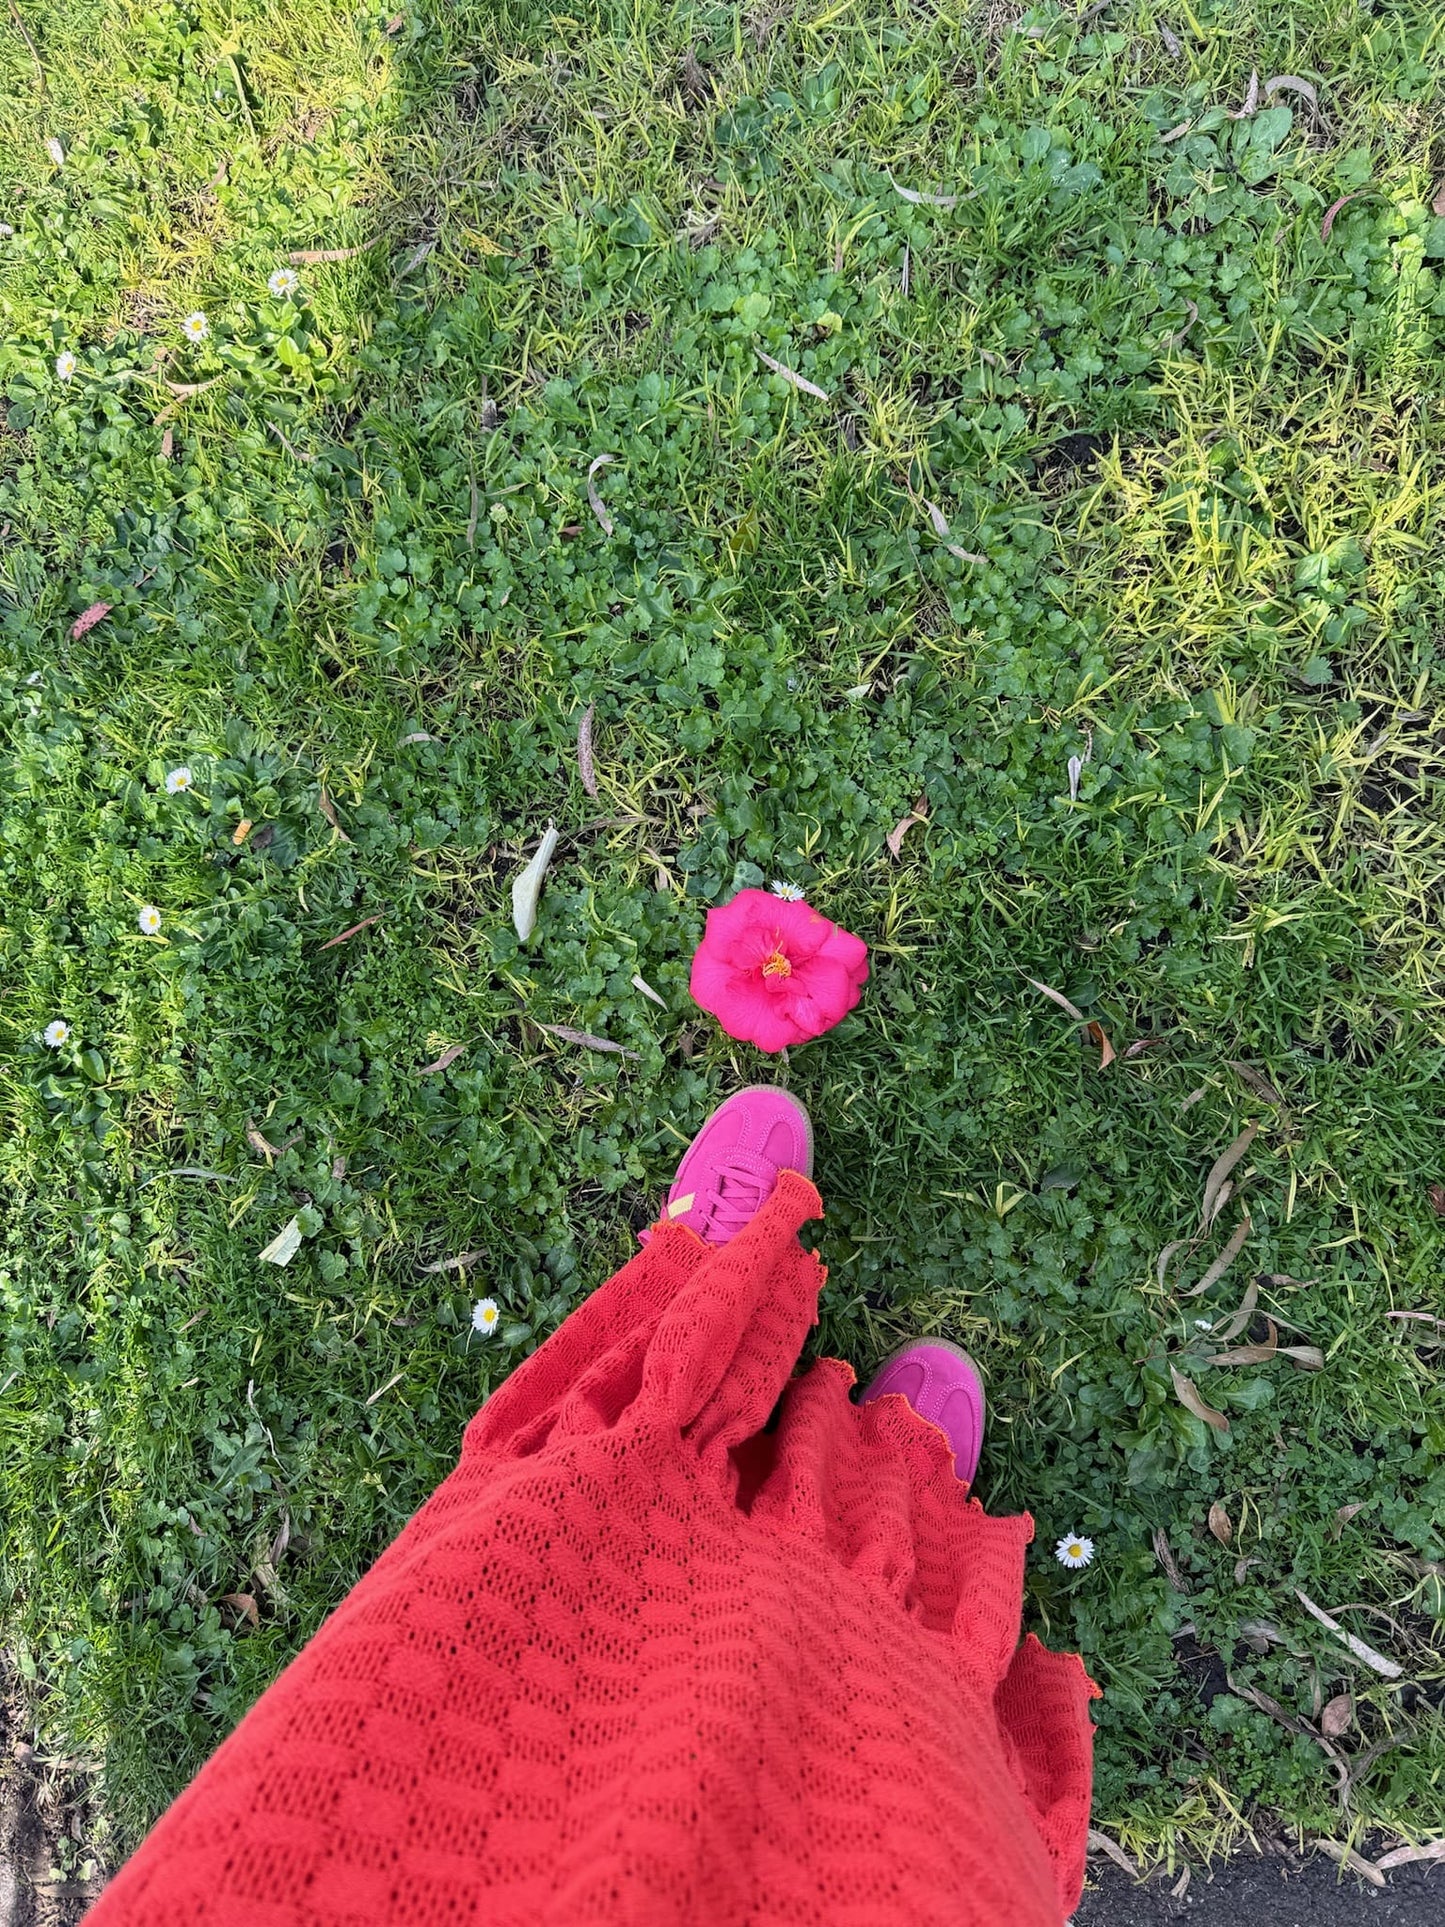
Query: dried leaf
x=1101, y=1843
x=331, y=942
x=1343, y=1516
x=1219, y=1171
x=1188, y=1395
x=97, y=612
x=918, y=814
x=917, y=199
x=1294, y=85
x=1251, y=99
x=1387, y=1668
x=639, y=982
x=242, y=830
x=1178, y=1244
x=1140, y=1045
x=416, y=736
x=284, y=1246
x=1097, y=1034
x=1176, y=133
x=1255, y=1629
x=396, y=23
x=1172, y=45
x=168, y=442
x=1181, y=1885
x=603, y=518
x=1334, y=207
x=1436, y=1195
x=586, y=768
x=1176, y=340
x=1076, y=770
x=528, y=886
x=244, y=1603
x=1257, y=1082
x=1232, y=1327
x=1225, y=1259
x=55, y=150
x=313, y=257
x=261, y=1144
x=570, y=1036
x=941, y=529
x=1347, y=1857
x=462, y=1263
x=1282, y=1281
x=1164, y=1553
x=1419, y=1317
x=1437, y=206
x=1192, y=1099
x=328, y=810
x=1403, y=1856
x=790, y=375
x=448, y=1056
x=1219, y=1524
x=1059, y=998
x=1337, y=1715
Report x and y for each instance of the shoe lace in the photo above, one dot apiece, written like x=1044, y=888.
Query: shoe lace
x=742, y=1185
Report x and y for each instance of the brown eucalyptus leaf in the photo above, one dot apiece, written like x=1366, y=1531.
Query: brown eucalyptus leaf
x=1097, y=1034
x=1257, y=1082
x=603, y=518
x=244, y=1603
x=918, y=814
x=314, y=257
x=918, y=198
x=1403, y=1856
x=448, y=1056
x=639, y=982
x=1172, y=44
x=1251, y=99
x=570, y=1036
x=1387, y=1668
x=1076, y=770
x=1337, y=1715
x=1188, y=1395
x=1347, y=1857
x=1436, y=1195
x=1164, y=1553
x=331, y=942
x=586, y=768
x=1178, y=1244
x=1334, y=208
x=1225, y=1259
x=1294, y=85
x=1176, y=133
x=1101, y=1843
x=527, y=887
x=790, y=375
x=328, y=810
x=1220, y=1170
x=1232, y=1327
x=1437, y=206
x=1219, y=1524
x=1059, y=998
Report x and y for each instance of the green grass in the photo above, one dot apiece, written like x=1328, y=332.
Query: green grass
x=360, y=572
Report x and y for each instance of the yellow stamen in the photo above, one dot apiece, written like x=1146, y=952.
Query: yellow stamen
x=777, y=965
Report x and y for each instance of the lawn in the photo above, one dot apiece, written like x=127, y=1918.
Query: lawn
x=1096, y=524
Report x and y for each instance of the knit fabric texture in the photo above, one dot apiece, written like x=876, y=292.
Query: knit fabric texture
x=646, y=1658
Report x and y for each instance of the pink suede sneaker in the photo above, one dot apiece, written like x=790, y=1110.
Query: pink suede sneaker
x=941, y=1383
x=729, y=1170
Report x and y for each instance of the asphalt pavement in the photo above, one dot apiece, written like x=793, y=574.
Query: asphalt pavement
x=1257, y=1890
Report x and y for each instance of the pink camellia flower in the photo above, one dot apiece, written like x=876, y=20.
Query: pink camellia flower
x=776, y=973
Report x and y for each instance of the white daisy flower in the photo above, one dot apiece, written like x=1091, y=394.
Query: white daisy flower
x=283, y=282
x=1203, y=1325
x=195, y=327
x=1074, y=1552
x=65, y=365
x=57, y=1033
x=149, y=920
x=35, y=676
x=5, y=230
x=178, y=780
x=486, y=1313
x=789, y=892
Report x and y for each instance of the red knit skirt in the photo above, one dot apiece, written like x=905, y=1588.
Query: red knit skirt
x=639, y=1660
